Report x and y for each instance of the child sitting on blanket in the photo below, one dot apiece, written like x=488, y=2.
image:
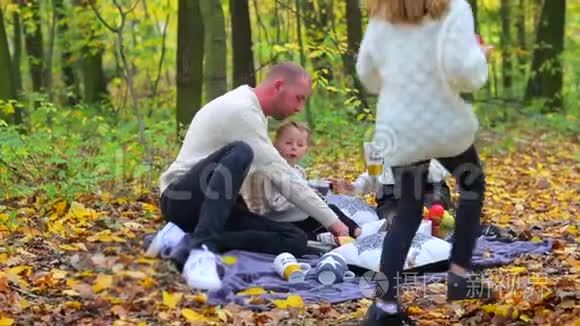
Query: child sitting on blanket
x=436, y=192
x=292, y=142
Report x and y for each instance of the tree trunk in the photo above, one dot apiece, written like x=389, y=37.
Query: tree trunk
x=308, y=108
x=243, y=55
x=521, y=58
x=33, y=41
x=546, y=77
x=506, y=44
x=68, y=73
x=17, y=51
x=189, y=62
x=354, y=37
x=93, y=76
x=50, y=54
x=7, y=87
x=215, y=49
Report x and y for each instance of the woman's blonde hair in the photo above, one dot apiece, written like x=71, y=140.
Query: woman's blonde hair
x=407, y=11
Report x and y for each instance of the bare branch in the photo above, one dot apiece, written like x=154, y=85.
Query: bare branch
x=101, y=19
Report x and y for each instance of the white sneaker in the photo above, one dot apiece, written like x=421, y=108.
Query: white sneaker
x=200, y=270
x=167, y=237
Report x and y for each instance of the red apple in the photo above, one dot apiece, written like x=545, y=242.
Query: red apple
x=436, y=211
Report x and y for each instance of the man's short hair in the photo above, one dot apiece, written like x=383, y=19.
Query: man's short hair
x=287, y=70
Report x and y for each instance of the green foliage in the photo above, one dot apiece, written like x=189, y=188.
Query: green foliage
x=81, y=152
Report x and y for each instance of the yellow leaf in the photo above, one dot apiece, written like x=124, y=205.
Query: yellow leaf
x=148, y=282
x=229, y=260
x=5, y=321
x=536, y=239
x=73, y=305
x=138, y=275
x=191, y=315
x=68, y=247
x=81, y=246
x=23, y=304
x=59, y=208
x=223, y=315
x=171, y=300
x=517, y=270
x=145, y=261
x=252, y=291
x=58, y=274
x=414, y=310
x=200, y=298
x=102, y=282
x=292, y=301
x=71, y=293
x=525, y=318
x=3, y=258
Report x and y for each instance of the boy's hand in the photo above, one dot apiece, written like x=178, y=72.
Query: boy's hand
x=341, y=186
x=338, y=229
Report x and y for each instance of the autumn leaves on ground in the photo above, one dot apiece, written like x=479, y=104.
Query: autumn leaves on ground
x=82, y=262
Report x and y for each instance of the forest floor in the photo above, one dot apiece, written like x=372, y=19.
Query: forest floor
x=82, y=262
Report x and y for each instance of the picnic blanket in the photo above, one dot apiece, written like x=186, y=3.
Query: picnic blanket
x=255, y=270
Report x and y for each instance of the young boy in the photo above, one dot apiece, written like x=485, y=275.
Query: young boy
x=436, y=191
x=292, y=141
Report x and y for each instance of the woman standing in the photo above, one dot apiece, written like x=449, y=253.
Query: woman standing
x=418, y=56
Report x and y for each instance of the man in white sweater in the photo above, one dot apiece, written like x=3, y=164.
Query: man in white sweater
x=227, y=140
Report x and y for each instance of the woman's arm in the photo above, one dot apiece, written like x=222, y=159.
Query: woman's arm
x=463, y=58
x=366, y=69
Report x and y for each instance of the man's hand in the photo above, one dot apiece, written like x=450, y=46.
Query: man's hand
x=338, y=229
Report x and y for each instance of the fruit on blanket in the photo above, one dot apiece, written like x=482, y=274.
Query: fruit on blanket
x=436, y=211
x=448, y=221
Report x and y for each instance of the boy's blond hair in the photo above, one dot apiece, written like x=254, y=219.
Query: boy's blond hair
x=293, y=124
x=407, y=11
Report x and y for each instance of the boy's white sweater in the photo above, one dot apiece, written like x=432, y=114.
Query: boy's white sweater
x=419, y=71
x=238, y=116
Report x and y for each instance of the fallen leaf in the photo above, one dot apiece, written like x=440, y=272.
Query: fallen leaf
x=199, y=298
x=171, y=300
x=252, y=291
x=102, y=282
x=414, y=310
x=73, y=305
x=292, y=301
x=223, y=315
x=5, y=321
x=58, y=274
x=119, y=311
x=229, y=260
x=191, y=315
x=3, y=258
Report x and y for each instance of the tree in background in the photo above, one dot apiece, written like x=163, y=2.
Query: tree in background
x=546, y=78
x=69, y=77
x=91, y=56
x=243, y=56
x=34, y=42
x=189, y=62
x=17, y=49
x=215, y=49
x=7, y=87
x=506, y=45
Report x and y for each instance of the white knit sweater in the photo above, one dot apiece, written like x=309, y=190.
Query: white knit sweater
x=238, y=116
x=418, y=71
